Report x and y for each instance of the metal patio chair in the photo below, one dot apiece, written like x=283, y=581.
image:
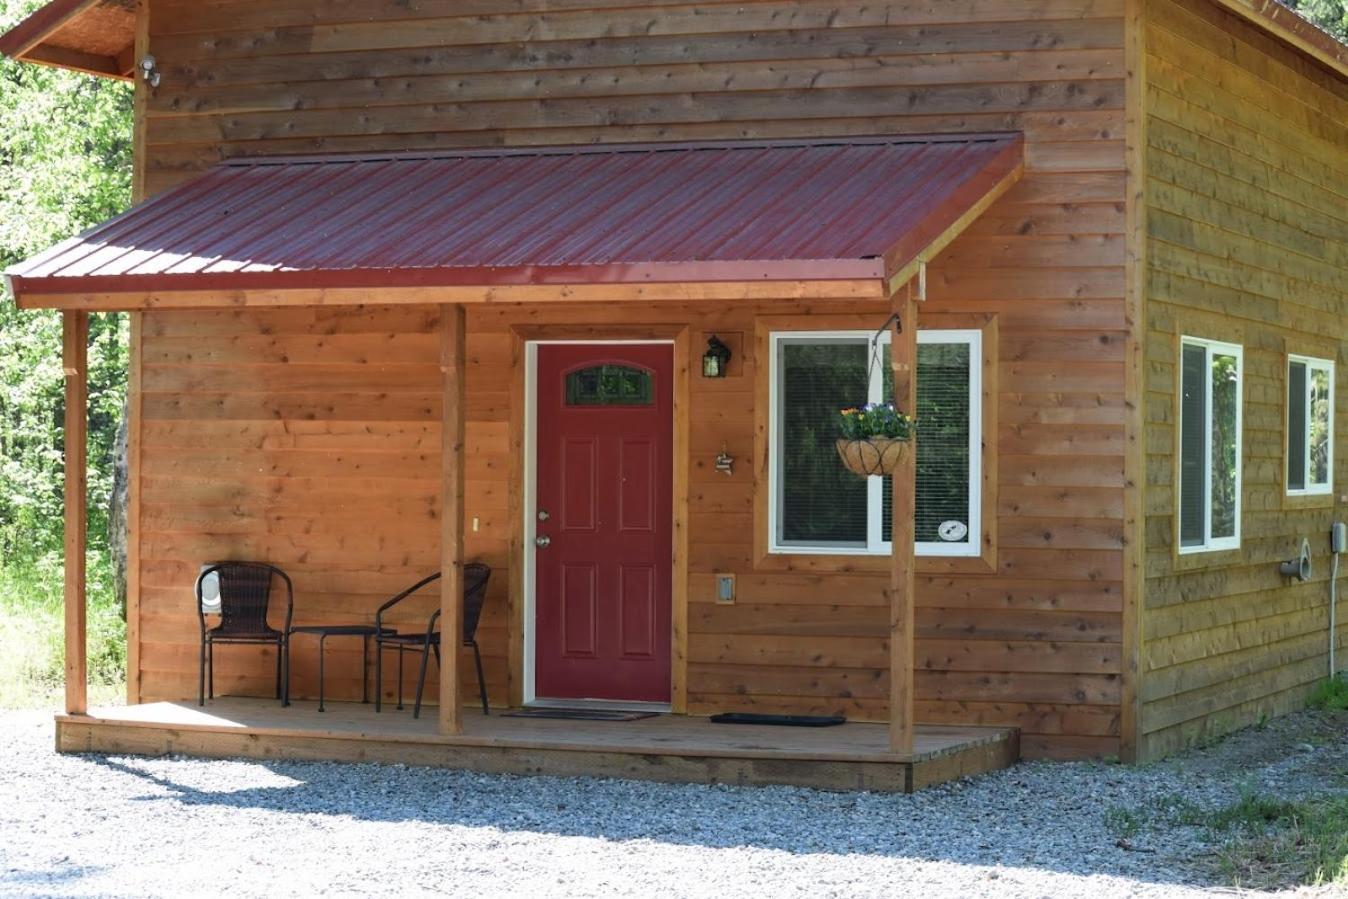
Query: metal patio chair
x=475, y=577
x=245, y=600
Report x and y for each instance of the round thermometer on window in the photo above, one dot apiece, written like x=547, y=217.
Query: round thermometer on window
x=953, y=531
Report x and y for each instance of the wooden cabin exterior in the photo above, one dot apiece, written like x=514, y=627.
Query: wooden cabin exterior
x=1181, y=178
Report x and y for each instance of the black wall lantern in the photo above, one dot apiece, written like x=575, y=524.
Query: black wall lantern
x=716, y=359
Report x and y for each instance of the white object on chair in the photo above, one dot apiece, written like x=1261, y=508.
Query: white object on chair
x=210, y=592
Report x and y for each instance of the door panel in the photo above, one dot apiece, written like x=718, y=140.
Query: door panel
x=603, y=585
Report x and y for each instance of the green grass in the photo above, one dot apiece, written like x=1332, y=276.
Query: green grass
x=32, y=649
x=1262, y=842
x=1275, y=844
x=1330, y=695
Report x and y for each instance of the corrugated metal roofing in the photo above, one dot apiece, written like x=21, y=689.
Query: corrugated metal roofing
x=782, y=210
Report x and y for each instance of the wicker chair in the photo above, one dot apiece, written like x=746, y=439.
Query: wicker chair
x=475, y=577
x=245, y=600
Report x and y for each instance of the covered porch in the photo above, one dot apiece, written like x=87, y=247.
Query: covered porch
x=282, y=359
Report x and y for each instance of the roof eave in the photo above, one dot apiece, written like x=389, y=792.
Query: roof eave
x=41, y=293
x=30, y=41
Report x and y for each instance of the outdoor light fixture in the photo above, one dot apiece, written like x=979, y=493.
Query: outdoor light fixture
x=148, y=68
x=715, y=360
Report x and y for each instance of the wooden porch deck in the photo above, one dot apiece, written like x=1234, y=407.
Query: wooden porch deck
x=670, y=748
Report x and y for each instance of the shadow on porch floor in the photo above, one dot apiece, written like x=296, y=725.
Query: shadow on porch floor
x=671, y=748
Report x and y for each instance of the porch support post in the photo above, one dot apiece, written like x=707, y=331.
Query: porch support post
x=903, y=361
x=451, y=516
x=74, y=357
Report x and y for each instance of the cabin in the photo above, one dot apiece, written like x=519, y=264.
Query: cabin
x=576, y=289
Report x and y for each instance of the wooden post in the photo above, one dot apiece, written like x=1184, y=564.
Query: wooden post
x=903, y=361
x=74, y=356
x=451, y=517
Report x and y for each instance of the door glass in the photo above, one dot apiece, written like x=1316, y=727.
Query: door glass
x=609, y=385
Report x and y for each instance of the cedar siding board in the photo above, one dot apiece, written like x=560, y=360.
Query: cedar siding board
x=311, y=436
x=1247, y=162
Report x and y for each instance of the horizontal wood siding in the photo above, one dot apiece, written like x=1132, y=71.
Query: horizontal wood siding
x=1248, y=211
x=307, y=438
x=1032, y=639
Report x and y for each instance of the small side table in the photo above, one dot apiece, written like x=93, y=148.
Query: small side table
x=323, y=632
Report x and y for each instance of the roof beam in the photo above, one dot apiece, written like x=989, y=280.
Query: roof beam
x=75, y=60
x=485, y=294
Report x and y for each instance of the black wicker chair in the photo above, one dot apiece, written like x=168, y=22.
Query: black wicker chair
x=475, y=577
x=245, y=600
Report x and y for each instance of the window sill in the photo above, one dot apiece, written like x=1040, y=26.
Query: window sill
x=1308, y=500
x=1201, y=559
x=867, y=563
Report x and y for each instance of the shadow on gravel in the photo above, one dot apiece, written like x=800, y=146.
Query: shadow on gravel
x=1001, y=820
x=39, y=882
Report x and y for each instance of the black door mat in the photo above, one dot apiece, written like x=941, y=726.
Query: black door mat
x=780, y=720
x=580, y=714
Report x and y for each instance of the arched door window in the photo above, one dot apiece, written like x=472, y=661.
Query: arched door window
x=610, y=385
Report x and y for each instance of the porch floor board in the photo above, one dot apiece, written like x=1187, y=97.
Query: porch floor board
x=675, y=748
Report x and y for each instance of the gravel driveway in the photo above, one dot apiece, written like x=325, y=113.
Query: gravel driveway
x=122, y=826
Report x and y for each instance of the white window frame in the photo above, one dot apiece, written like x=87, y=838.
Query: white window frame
x=1211, y=544
x=875, y=545
x=1312, y=364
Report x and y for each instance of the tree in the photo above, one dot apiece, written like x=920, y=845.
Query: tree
x=65, y=164
x=1331, y=15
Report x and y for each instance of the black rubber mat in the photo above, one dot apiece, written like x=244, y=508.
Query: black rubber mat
x=779, y=720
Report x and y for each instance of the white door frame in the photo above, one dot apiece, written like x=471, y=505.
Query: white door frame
x=529, y=572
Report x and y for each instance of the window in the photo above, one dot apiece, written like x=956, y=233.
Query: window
x=609, y=385
x=1210, y=445
x=816, y=505
x=1310, y=425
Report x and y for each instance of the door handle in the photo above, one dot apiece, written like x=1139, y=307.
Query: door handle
x=542, y=542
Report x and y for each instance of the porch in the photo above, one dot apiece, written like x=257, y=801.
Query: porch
x=668, y=748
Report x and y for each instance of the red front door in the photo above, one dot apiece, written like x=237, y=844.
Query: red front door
x=604, y=508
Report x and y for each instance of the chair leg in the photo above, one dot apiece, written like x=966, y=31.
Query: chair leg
x=285, y=677
x=421, y=676
x=210, y=669
x=364, y=669
x=399, y=706
x=481, y=680
x=378, y=675
x=201, y=675
x=280, y=669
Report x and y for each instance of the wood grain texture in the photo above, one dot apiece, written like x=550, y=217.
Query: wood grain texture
x=667, y=748
x=1245, y=153
x=453, y=462
x=75, y=361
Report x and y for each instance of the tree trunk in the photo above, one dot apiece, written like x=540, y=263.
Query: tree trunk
x=117, y=514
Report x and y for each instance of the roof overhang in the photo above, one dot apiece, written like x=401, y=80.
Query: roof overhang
x=1294, y=29
x=714, y=220
x=97, y=37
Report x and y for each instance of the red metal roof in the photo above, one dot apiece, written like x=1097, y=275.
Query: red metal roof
x=780, y=210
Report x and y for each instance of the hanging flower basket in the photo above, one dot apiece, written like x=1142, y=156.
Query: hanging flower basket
x=874, y=439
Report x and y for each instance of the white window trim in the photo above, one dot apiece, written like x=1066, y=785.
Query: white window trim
x=1312, y=364
x=1211, y=544
x=875, y=545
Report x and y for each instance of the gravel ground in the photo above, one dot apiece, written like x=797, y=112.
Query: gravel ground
x=124, y=826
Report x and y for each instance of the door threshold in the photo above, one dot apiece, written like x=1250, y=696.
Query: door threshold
x=608, y=705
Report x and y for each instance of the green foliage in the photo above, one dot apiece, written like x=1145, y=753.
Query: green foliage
x=1261, y=841
x=65, y=164
x=1330, y=695
x=32, y=652
x=1331, y=15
